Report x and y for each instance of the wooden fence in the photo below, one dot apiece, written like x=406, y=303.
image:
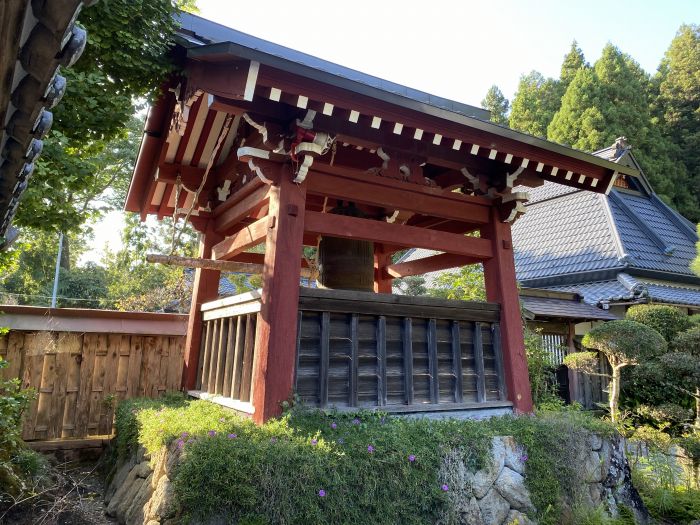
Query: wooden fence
x=80, y=376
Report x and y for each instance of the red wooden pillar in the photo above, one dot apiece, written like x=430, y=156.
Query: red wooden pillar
x=275, y=338
x=502, y=287
x=382, y=259
x=204, y=288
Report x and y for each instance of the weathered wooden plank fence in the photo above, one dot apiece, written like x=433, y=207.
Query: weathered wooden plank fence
x=81, y=375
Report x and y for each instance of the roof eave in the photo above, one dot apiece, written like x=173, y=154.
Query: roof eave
x=229, y=50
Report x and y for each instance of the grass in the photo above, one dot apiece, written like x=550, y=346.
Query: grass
x=310, y=467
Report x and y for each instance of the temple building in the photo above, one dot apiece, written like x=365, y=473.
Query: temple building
x=333, y=172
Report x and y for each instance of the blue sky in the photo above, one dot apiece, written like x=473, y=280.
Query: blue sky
x=455, y=49
x=458, y=49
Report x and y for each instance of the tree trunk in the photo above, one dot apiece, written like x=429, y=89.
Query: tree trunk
x=65, y=254
x=614, y=394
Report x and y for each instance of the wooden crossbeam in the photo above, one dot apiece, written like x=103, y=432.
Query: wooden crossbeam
x=246, y=238
x=241, y=208
x=434, y=263
x=352, y=185
x=208, y=264
x=383, y=232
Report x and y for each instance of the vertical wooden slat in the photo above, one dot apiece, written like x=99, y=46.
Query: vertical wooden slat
x=221, y=358
x=203, y=380
x=165, y=357
x=381, y=357
x=479, y=364
x=213, y=356
x=72, y=386
x=230, y=353
x=31, y=378
x=64, y=347
x=86, y=369
x=238, y=358
x=457, y=363
x=323, y=364
x=248, y=357
x=408, y=359
x=433, y=362
x=175, y=361
x=353, y=360
x=150, y=368
x=500, y=372
x=133, y=381
x=109, y=393
x=15, y=343
x=98, y=385
x=123, y=367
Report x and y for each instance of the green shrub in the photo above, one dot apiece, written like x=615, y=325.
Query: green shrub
x=275, y=473
x=13, y=402
x=666, y=320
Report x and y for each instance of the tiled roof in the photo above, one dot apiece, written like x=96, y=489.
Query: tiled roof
x=550, y=307
x=629, y=288
x=548, y=190
x=567, y=234
x=644, y=252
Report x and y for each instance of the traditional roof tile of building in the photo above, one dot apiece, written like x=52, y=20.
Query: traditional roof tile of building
x=607, y=247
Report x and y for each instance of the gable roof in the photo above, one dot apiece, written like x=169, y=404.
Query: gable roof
x=573, y=236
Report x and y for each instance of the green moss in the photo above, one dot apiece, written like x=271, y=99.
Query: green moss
x=274, y=473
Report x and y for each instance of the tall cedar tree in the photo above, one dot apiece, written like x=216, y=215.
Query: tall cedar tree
x=614, y=99
x=497, y=104
x=535, y=103
x=573, y=61
x=678, y=102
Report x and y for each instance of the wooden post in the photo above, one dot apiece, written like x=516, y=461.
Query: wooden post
x=204, y=288
x=502, y=287
x=382, y=280
x=275, y=338
x=574, y=387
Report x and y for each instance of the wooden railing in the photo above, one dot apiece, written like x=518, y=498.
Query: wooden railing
x=225, y=372
x=363, y=350
x=403, y=354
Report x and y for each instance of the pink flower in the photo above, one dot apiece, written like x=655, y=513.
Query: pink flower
x=212, y=433
x=370, y=448
x=445, y=487
x=180, y=443
x=184, y=435
x=322, y=493
x=411, y=458
x=333, y=425
x=232, y=436
x=356, y=421
x=314, y=442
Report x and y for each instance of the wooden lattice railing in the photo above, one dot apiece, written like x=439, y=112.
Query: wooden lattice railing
x=225, y=371
x=363, y=350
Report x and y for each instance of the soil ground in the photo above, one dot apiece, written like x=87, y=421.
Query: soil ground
x=69, y=494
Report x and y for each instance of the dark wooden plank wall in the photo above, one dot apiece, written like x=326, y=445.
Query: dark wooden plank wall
x=357, y=360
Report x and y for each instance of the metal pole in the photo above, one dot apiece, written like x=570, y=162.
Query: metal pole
x=58, y=267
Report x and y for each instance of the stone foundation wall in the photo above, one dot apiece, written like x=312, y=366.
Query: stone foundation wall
x=140, y=491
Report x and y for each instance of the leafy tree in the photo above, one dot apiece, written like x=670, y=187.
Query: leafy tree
x=678, y=101
x=535, y=103
x=497, y=104
x=413, y=285
x=666, y=320
x=573, y=61
x=540, y=369
x=624, y=343
x=135, y=284
x=125, y=60
x=684, y=365
x=463, y=284
x=83, y=287
x=613, y=99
